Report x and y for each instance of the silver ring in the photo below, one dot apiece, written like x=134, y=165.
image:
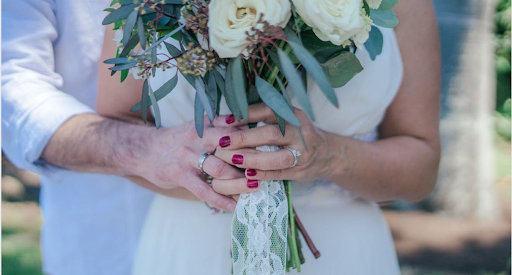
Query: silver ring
x=201, y=162
x=296, y=155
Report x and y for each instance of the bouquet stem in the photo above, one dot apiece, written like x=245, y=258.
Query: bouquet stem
x=294, y=253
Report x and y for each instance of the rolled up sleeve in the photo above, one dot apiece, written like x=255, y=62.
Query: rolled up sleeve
x=33, y=106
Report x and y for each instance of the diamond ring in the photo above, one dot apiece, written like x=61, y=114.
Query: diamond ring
x=296, y=155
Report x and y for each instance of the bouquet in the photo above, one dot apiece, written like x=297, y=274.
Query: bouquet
x=250, y=51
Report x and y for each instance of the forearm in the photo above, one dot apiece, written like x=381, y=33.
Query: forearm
x=401, y=167
x=91, y=143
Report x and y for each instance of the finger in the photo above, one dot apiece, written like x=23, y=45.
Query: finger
x=236, y=197
x=286, y=174
x=205, y=193
x=211, y=135
x=234, y=186
x=257, y=112
x=264, y=135
x=254, y=159
x=219, y=169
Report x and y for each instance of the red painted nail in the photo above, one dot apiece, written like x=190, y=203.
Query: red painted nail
x=252, y=184
x=225, y=141
x=230, y=119
x=251, y=172
x=237, y=159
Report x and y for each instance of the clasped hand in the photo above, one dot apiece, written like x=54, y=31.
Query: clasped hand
x=233, y=143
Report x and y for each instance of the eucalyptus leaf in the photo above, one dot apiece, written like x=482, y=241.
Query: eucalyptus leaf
x=275, y=101
x=229, y=93
x=163, y=38
x=145, y=99
x=314, y=70
x=119, y=14
x=173, y=51
x=198, y=116
x=384, y=18
x=342, y=68
x=387, y=4
x=156, y=108
x=130, y=46
x=160, y=92
x=141, y=32
x=238, y=85
x=123, y=66
x=129, y=25
x=311, y=42
x=201, y=92
x=295, y=83
x=153, y=57
x=212, y=91
x=374, y=43
x=120, y=60
x=281, y=123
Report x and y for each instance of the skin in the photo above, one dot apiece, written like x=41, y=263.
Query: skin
x=401, y=165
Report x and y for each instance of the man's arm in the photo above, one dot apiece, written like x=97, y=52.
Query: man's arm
x=37, y=116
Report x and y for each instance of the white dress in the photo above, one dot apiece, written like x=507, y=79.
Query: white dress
x=182, y=237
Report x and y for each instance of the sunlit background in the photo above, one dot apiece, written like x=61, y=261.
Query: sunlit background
x=464, y=227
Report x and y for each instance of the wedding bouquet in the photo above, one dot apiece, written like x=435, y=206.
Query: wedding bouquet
x=250, y=51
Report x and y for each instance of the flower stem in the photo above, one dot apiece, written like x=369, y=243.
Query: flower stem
x=291, y=215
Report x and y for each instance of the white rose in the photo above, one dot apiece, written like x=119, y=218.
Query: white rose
x=231, y=19
x=374, y=4
x=336, y=20
x=118, y=37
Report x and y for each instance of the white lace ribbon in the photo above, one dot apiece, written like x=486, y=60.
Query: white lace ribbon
x=259, y=229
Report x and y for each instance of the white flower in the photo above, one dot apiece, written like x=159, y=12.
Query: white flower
x=118, y=37
x=229, y=20
x=336, y=20
x=374, y=4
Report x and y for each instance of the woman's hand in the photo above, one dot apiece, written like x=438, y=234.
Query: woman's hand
x=236, y=148
x=170, y=158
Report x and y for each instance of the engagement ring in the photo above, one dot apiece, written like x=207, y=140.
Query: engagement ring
x=296, y=155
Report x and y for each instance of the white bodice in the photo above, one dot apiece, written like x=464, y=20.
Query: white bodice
x=362, y=105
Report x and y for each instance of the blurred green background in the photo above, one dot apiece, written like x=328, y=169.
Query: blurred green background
x=21, y=215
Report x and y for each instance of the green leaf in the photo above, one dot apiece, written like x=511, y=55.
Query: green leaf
x=374, y=43
x=163, y=38
x=128, y=26
x=201, y=92
x=238, y=85
x=173, y=51
x=295, y=83
x=141, y=32
x=229, y=93
x=124, y=74
x=120, y=60
x=252, y=96
x=386, y=19
x=311, y=42
x=388, y=4
x=159, y=93
x=342, y=68
x=281, y=123
x=153, y=56
x=156, y=108
x=314, y=70
x=199, y=116
x=212, y=90
x=119, y=14
x=275, y=101
x=123, y=66
x=326, y=54
x=144, y=102
x=131, y=44
x=366, y=8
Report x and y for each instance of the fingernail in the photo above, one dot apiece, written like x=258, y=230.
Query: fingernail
x=225, y=141
x=231, y=207
x=230, y=119
x=237, y=159
x=252, y=184
x=251, y=172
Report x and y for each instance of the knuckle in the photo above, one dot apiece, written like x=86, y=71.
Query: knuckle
x=241, y=138
x=273, y=133
x=218, y=169
x=285, y=159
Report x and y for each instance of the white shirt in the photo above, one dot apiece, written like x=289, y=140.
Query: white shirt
x=50, y=55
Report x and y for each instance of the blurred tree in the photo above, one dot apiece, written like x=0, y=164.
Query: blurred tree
x=466, y=179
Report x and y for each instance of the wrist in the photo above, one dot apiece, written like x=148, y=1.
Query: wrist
x=336, y=152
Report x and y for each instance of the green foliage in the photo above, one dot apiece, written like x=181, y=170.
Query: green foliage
x=384, y=18
x=503, y=67
x=374, y=43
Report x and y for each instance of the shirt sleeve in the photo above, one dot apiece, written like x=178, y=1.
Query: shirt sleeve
x=33, y=106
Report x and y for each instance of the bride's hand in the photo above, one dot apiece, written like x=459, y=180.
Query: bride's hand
x=170, y=159
x=237, y=148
